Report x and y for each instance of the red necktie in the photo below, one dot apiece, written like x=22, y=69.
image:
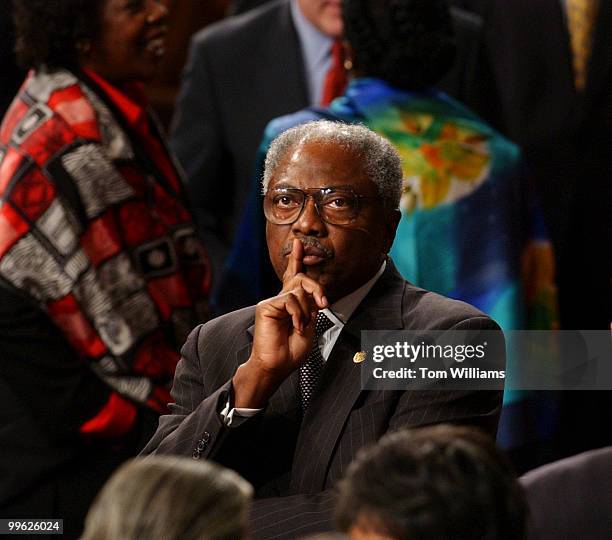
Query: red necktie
x=335, y=80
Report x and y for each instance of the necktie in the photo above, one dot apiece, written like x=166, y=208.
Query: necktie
x=335, y=79
x=580, y=21
x=310, y=371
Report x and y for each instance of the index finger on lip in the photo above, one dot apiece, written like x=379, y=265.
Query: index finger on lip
x=294, y=266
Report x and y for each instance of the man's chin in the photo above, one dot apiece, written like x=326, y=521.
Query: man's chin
x=321, y=274
x=314, y=271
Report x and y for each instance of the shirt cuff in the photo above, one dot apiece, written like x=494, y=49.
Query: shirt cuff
x=237, y=415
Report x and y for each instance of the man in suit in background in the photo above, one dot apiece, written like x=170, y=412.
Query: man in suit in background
x=273, y=390
x=551, y=92
x=241, y=73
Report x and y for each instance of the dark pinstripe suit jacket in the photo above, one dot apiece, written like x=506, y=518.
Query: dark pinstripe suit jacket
x=294, y=462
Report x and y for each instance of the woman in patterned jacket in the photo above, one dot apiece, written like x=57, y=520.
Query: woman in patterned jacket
x=101, y=273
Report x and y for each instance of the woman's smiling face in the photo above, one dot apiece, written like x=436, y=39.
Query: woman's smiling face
x=131, y=40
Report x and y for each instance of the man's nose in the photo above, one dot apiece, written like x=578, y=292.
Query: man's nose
x=309, y=222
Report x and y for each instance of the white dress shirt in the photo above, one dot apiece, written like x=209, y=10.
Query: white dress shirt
x=339, y=313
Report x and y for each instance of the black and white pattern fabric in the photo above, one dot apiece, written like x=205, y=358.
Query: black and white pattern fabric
x=311, y=370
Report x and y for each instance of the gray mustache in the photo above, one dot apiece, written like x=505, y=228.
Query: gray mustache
x=308, y=242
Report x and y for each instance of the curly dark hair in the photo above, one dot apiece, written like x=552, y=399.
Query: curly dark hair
x=435, y=482
x=49, y=31
x=408, y=43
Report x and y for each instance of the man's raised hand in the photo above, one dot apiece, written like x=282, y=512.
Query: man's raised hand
x=284, y=333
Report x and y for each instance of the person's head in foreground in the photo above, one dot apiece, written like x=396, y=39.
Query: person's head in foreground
x=432, y=483
x=169, y=498
x=121, y=40
x=336, y=188
x=407, y=43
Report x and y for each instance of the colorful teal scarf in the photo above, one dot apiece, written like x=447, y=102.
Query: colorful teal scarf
x=469, y=229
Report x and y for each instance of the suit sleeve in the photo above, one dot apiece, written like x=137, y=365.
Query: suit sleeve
x=196, y=138
x=193, y=427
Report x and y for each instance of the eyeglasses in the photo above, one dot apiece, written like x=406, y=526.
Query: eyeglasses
x=284, y=206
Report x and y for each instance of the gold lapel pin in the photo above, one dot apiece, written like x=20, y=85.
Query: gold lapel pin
x=359, y=357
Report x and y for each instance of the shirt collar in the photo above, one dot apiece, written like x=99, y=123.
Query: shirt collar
x=316, y=46
x=130, y=99
x=341, y=311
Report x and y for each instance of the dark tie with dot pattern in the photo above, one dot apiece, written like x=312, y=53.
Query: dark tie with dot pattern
x=310, y=371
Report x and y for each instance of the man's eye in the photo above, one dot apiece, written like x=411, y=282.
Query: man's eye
x=338, y=202
x=284, y=201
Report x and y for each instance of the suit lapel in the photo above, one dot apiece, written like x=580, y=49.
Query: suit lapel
x=340, y=384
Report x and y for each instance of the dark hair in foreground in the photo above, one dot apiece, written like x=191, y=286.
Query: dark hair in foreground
x=50, y=31
x=170, y=498
x=432, y=483
x=408, y=43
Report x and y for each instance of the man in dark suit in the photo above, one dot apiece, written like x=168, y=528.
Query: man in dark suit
x=555, y=100
x=273, y=391
x=241, y=73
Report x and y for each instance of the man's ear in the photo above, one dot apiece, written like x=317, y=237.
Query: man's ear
x=391, y=223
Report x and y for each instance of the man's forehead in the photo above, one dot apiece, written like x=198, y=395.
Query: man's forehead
x=328, y=145
x=284, y=184
x=315, y=161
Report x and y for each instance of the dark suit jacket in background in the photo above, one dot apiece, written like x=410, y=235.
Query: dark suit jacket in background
x=237, y=7
x=566, y=136
x=294, y=463
x=241, y=73
x=571, y=498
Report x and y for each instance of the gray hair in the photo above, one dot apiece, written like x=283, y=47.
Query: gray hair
x=380, y=159
x=170, y=498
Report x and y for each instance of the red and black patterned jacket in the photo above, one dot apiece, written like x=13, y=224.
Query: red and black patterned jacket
x=101, y=273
